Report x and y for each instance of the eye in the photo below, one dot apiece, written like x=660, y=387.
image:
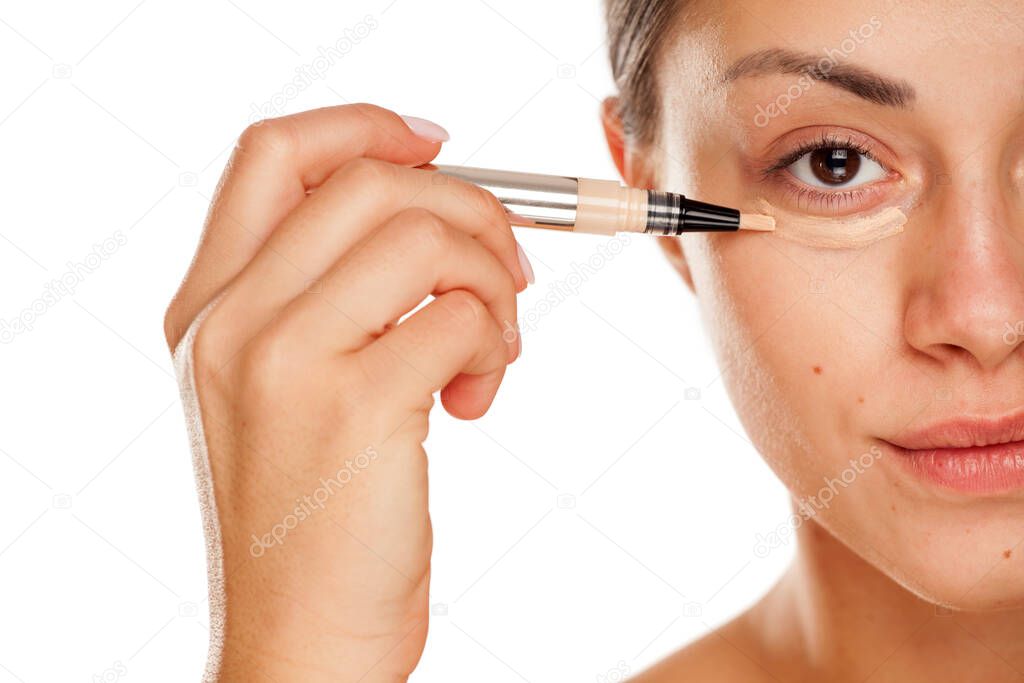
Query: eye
x=829, y=167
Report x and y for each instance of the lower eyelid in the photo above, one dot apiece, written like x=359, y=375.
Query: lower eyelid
x=867, y=195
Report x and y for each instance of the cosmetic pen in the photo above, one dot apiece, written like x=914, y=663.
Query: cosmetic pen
x=602, y=207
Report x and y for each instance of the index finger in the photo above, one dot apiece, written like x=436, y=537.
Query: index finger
x=274, y=164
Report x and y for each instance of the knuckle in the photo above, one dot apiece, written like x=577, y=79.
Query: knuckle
x=369, y=111
x=494, y=216
x=370, y=120
x=466, y=310
x=493, y=210
x=211, y=348
x=173, y=329
x=485, y=204
x=227, y=358
x=265, y=363
x=431, y=232
x=364, y=171
x=363, y=387
x=271, y=137
x=363, y=108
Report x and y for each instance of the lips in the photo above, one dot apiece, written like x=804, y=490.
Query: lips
x=970, y=455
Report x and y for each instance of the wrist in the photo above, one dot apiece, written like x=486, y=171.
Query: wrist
x=311, y=646
x=348, y=661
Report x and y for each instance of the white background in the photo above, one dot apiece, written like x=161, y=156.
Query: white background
x=115, y=121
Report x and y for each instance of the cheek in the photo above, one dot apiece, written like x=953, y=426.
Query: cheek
x=811, y=351
x=796, y=360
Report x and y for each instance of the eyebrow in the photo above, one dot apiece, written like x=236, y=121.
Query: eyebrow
x=855, y=79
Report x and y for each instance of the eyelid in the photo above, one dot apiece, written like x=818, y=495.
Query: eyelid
x=812, y=137
x=804, y=159
x=790, y=194
x=826, y=204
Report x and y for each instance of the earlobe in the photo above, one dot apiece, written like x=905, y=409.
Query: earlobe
x=673, y=248
x=631, y=169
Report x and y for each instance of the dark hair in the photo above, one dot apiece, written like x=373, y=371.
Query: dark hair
x=636, y=31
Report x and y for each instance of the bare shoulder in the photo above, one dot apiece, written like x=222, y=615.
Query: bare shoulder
x=730, y=654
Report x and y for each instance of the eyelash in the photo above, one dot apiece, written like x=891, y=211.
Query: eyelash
x=834, y=200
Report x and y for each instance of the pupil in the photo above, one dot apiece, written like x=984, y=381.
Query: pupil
x=835, y=166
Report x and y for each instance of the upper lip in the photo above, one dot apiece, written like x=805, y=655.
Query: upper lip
x=963, y=432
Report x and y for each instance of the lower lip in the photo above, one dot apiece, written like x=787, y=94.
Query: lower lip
x=994, y=469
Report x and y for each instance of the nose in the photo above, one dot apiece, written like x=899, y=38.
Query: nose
x=966, y=304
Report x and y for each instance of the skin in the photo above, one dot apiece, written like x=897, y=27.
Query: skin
x=320, y=237
x=903, y=332
x=826, y=352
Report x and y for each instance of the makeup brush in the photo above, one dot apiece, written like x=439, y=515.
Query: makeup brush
x=602, y=207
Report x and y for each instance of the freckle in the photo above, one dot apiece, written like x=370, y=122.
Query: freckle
x=817, y=369
x=1007, y=553
x=860, y=399
x=894, y=507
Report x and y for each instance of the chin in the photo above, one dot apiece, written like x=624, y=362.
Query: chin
x=977, y=572
x=962, y=558
x=962, y=593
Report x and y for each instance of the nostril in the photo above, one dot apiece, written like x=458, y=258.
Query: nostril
x=947, y=353
x=953, y=352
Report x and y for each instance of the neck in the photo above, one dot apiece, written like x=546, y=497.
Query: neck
x=839, y=618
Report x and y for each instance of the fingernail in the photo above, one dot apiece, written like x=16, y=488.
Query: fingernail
x=524, y=263
x=428, y=130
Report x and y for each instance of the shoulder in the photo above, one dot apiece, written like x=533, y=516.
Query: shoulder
x=729, y=654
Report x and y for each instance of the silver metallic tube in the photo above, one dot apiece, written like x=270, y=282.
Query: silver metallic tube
x=544, y=200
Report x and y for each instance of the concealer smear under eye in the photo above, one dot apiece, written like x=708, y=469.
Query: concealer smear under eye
x=836, y=233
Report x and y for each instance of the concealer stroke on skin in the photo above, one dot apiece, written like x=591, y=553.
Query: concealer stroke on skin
x=837, y=233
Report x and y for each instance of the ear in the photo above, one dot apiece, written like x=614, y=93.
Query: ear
x=632, y=166
x=635, y=171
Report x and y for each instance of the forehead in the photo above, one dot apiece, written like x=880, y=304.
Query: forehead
x=964, y=60
x=896, y=38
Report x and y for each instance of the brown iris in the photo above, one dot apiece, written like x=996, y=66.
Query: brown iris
x=835, y=166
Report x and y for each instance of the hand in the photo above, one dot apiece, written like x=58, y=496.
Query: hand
x=315, y=402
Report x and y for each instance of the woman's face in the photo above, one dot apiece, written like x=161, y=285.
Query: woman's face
x=875, y=373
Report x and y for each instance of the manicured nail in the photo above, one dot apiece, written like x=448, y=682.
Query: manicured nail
x=524, y=263
x=428, y=130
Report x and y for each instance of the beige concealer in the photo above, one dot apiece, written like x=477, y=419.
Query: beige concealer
x=606, y=207
x=837, y=233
